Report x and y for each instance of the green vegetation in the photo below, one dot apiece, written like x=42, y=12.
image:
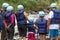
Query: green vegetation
x=30, y=4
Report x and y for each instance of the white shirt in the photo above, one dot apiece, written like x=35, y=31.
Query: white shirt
x=52, y=26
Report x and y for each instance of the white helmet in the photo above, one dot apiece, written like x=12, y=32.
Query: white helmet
x=31, y=19
x=20, y=7
x=41, y=13
x=5, y=5
x=9, y=8
x=53, y=5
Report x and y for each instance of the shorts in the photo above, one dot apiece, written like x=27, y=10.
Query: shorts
x=31, y=36
x=42, y=33
x=22, y=30
x=53, y=33
x=10, y=32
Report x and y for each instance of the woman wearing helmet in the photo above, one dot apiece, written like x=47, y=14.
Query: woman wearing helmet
x=41, y=23
x=9, y=23
x=3, y=10
x=21, y=17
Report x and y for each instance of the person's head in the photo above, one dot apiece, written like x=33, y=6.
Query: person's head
x=41, y=14
x=53, y=6
x=9, y=9
x=20, y=7
x=31, y=19
x=5, y=5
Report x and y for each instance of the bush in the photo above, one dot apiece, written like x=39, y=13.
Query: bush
x=30, y=4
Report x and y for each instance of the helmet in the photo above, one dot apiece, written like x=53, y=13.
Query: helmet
x=41, y=13
x=9, y=8
x=20, y=7
x=5, y=5
x=53, y=5
x=31, y=19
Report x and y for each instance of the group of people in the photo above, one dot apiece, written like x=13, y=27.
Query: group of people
x=7, y=23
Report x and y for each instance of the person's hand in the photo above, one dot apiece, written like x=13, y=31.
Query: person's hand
x=6, y=27
x=35, y=26
x=47, y=30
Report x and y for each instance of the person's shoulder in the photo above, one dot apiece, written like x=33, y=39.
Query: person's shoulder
x=51, y=12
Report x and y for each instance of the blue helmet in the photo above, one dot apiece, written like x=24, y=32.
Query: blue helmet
x=5, y=5
x=41, y=13
x=9, y=8
x=31, y=19
x=53, y=5
x=20, y=7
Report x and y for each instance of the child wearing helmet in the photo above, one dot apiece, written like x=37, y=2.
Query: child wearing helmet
x=21, y=17
x=53, y=21
x=9, y=23
x=31, y=29
x=41, y=23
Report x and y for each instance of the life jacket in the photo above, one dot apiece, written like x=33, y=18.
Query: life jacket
x=1, y=22
x=41, y=25
x=30, y=26
x=7, y=18
x=0, y=19
x=56, y=17
x=20, y=18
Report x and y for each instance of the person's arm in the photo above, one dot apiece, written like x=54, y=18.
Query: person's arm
x=50, y=16
x=48, y=23
x=35, y=25
x=4, y=22
x=26, y=15
x=12, y=20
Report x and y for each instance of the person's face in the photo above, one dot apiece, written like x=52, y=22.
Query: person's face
x=54, y=8
x=4, y=9
x=41, y=17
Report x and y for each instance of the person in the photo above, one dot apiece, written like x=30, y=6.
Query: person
x=41, y=23
x=0, y=23
x=9, y=23
x=53, y=21
x=3, y=10
x=31, y=29
x=21, y=17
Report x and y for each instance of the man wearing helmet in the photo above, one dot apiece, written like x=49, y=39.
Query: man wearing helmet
x=8, y=22
x=41, y=23
x=53, y=21
x=21, y=17
x=3, y=10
